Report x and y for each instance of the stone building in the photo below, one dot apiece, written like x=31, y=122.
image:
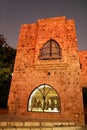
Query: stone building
x=49, y=72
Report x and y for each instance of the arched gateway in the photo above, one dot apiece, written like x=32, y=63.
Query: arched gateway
x=44, y=99
x=49, y=72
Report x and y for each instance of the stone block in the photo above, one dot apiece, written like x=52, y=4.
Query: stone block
x=58, y=128
x=3, y=124
x=47, y=124
x=31, y=124
x=16, y=124
x=48, y=128
x=35, y=128
x=23, y=128
x=9, y=128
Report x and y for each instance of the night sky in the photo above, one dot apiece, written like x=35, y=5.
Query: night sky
x=14, y=13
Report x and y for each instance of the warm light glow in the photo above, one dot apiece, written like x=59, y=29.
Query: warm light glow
x=44, y=99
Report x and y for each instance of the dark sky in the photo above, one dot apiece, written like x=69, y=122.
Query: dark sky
x=14, y=13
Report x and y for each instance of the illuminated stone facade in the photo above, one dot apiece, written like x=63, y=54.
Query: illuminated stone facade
x=48, y=78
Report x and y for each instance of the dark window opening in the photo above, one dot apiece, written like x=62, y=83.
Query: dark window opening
x=51, y=50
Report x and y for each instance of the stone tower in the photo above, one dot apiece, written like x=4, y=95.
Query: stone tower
x=46, y=79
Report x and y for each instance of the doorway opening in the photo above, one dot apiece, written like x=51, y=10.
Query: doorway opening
x=85, y=102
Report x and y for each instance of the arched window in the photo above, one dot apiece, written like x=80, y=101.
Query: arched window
x=44, y=99
x=50, y=50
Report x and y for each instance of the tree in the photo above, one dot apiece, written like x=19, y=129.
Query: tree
x=7, y=58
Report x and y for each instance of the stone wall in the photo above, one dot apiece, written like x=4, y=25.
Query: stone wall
x=30, y=71
x=39, y=126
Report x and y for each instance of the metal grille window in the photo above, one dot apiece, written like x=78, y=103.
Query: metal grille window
x=51, y=50
x=44, y=99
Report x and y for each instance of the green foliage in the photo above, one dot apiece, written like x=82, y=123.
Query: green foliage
x=7, y=57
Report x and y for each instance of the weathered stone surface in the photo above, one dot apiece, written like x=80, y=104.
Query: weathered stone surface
x=66, y=76
x=40, y=126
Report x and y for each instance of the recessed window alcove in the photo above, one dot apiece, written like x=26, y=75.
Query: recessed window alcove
x=44, y=99
x=50, y=50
